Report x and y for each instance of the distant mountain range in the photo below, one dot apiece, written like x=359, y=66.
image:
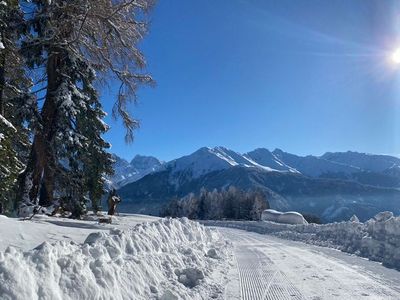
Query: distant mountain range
x=334, y=186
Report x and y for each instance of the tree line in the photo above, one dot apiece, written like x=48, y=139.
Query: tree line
x=54, y=56
x=231, y=203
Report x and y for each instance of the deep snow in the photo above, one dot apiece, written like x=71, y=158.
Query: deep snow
x=170, y=259
x=164, y=259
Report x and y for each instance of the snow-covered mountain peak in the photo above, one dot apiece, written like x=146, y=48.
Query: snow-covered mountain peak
x=345, y=165
x=139, y=167
x=206, y=160
x=266, y=158
x=142, y=162
x=202, y=161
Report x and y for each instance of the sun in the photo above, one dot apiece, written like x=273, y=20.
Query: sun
x=396, y=56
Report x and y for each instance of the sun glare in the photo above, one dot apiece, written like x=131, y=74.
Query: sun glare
x=396, y=56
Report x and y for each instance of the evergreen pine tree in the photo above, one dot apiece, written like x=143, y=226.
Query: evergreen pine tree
x=73, y=40
x=17, y=105
x=81, y=150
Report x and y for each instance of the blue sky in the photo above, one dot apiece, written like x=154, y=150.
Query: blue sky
x=304, y=76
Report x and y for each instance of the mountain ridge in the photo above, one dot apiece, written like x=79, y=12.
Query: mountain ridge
x=332, y=185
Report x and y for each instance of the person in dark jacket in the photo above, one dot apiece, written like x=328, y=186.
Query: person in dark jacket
x=113, y=200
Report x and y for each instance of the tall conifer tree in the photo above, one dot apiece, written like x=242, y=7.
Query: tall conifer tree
x=17, y=105
x=78, y=43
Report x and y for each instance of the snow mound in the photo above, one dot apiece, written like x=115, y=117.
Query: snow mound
x=166, y=259
x=377, y=239
x=290, y=217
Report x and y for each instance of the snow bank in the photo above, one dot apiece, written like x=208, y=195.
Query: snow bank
x=377, y=239
x=167, y=259
x=290, y=217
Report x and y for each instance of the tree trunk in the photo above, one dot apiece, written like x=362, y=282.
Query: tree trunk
x=2, y=80
x=39, y=173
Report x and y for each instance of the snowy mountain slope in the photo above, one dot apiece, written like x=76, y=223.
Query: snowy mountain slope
x=331, y=199
x=265, y=157
x=127, y=172
x=312, y=165
x=200, y=162
x=206, y=160
x=150, y=193
x=364, y=161
x=331, y=189
x=122, y=169
x=379, y=170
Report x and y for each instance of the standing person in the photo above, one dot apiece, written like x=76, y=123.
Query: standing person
x=113, y=200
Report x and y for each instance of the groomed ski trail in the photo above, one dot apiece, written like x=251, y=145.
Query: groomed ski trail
x=269, y=268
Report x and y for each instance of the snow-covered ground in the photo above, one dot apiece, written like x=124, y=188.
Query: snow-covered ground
x=273, y=268
x=164, y=259
x=26, y=235
x=142, y=257
x=377, y=239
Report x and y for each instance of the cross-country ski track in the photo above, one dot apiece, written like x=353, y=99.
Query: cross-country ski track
x=270, y=268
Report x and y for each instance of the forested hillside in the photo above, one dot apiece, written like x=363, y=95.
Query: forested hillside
x=216, y=205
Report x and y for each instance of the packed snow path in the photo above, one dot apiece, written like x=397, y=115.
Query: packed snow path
x=260, y=278
x=272, y=268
